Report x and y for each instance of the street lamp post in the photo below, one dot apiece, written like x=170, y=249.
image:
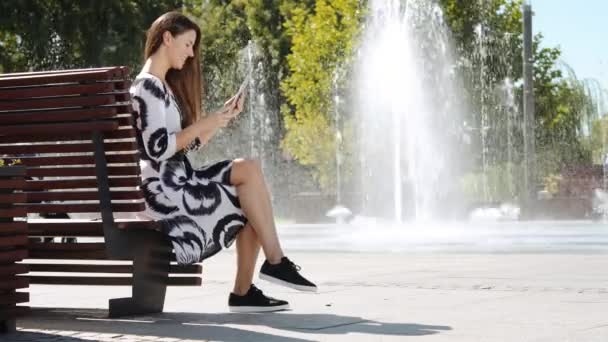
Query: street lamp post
x=528, y=190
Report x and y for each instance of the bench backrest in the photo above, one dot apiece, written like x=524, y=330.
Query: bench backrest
x=51, y=122
x=47, y=121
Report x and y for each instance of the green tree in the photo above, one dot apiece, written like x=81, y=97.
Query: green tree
x=224, y=33
x=488, y=37
x=59, y=34
x=598, y=139
x=227, y=26
x=322, y=41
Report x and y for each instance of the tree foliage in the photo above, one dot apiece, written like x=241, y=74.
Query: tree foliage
x=489, y=38
x=59, y=34
x=323, y=40
x=224, y=33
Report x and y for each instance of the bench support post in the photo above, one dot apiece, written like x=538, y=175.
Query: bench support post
x=117, y=246
x=149, y=250
x=151, y=262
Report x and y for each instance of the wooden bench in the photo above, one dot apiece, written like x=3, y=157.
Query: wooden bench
x=13, y=247
x=74, y=132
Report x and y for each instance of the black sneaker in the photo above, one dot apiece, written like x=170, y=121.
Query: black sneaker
x=286, y=273
x=255, y=301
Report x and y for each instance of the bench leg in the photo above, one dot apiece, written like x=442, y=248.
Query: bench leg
x=8, y=326
x=150, y=273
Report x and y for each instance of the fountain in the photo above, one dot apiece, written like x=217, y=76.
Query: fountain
x=410, y=112
x=255, y=132
x=339, y=212
x=419, y=133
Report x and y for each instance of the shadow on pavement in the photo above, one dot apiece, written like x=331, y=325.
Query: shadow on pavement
x=219, y=326
x=27, y=336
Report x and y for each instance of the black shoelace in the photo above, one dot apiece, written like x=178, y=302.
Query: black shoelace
x=255, y=290
x=292, y=265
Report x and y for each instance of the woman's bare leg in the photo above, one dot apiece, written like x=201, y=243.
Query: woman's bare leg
x=255, y=201
x=247, y=250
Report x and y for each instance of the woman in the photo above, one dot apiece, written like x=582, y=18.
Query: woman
x=202, y=210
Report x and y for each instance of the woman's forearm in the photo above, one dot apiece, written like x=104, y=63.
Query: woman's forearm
x=187, y=135
x=204, y=129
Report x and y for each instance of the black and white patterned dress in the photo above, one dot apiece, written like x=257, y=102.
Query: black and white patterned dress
x=198, y=208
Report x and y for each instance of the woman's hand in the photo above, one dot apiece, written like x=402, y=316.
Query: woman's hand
x=210, y=124
x=240, y=103
x=217, y=120
x=235, y=104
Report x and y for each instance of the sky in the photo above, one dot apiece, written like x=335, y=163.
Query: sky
x=580, y=28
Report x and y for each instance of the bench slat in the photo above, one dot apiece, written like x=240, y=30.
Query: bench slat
x=13, y=212
x=107, y=125
x=13, y=269
x=120, y=108
x=81, y=246
x=184, y=281
x=12, y=241
x=80, y=268
x=127, y=133
x=14, y=255
x=186, y=269
x=14, y=298
x=80, y=208
x=123, y=133
x=84, y=251
x=55, y=90
x=107, y=281
x=117, y=70
x=60, y=102
x=35, y=197
x=14, y=282
x=90, y=268
x=81, y=183
x=81, y=171
x=43, y=116
x=126, y=121
x=81, y=255
x=12, y=198
x=79, y=160
x=138, y=224
x=36, y=79
x=16, y=184
x=76, y=228
x=66, y=148
x=12, y=228
x=49, y=90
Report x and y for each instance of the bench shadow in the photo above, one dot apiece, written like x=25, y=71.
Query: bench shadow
x=39, y=336
x=219, y=326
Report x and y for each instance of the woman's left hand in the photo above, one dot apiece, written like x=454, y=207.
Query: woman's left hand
x=235, y=104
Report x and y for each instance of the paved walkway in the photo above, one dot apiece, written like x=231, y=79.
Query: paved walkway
x=364, y=297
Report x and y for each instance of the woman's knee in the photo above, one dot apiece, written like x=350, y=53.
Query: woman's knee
x=243, y=169
x=248, y=166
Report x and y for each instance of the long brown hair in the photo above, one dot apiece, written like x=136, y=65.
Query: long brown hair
x=185, y=83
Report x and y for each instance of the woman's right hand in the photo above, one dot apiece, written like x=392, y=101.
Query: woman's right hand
x=217, y=120
x=205, y=128
x=210, y=124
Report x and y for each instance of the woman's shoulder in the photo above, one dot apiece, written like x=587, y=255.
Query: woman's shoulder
x=147, y=87
x=146, y=82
